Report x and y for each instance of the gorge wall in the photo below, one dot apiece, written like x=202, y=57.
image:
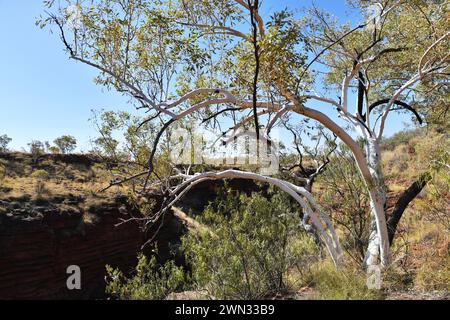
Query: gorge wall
x=38, y=244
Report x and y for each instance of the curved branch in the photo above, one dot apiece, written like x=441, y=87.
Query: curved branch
x=318, y=217
x=399, y=103
x=256, y=14
x=224, y=29
x=421, y=62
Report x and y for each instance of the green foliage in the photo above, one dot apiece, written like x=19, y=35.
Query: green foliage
x=65, y=144
x=396, y=278
x=247, y=249
x=40, y=174
x=345, y=195
x=151, y=281
x=284, y=49
x=107, y=123
x=137, y=40
x=401, y=137
x=36, y=149
x=244, y=251
x=4, y=141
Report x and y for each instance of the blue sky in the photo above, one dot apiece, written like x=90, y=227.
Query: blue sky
x=44, y=95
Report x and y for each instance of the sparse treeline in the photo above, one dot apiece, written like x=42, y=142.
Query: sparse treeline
x=64, y=144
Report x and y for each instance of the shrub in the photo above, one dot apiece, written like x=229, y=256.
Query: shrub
x=248, y=248
x=149, y=282
x=245, y=250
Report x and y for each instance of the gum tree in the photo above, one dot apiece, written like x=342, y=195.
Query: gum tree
x=222, y=62
x=4, y=142
x=66, y=144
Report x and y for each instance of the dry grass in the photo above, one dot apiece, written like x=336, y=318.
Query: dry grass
x=63, y=182
x=422, y=246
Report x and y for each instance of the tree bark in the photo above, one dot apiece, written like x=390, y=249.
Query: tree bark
x=378, y=250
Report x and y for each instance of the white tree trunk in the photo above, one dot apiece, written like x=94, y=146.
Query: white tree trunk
x=378, y=251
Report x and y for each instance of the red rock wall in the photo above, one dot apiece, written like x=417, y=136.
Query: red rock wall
x=36, y=250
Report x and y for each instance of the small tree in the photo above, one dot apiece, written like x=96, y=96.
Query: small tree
x=344, y=194
x=4, y=141
x=36, y=148
x=227, y=256
x=66, y=144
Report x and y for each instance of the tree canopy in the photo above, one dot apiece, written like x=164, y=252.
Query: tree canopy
x=224, y=64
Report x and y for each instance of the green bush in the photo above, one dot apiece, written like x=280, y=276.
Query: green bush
x=247, y=249
x=150, y=281
x=244, y=251
x=40, y=174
